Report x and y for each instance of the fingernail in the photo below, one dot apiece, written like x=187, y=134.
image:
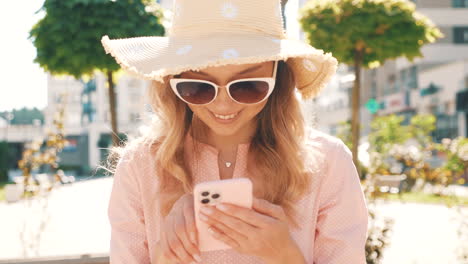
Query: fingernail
x=221, y=207
x=206, y=210
x=197, y=258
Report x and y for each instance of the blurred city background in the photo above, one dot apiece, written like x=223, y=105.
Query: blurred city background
x=409, y=65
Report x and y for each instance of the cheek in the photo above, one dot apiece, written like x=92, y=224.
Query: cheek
x=197, y=110
x=251, y=111
x=201, y=112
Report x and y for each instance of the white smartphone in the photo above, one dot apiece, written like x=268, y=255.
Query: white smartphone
x=236, y=191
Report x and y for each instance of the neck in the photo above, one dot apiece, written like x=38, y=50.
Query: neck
x=223, y=142
x=227, y=144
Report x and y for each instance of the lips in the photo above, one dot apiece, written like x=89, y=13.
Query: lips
x=224, y=121
x=225, y=114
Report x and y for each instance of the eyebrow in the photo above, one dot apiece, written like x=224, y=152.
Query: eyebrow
x=251, y=69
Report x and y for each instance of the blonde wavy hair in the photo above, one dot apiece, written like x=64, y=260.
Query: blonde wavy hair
x=277, y=166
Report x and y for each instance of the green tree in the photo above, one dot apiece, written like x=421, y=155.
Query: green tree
x=387, y=131
x=421, y=127
x=364, y=34
x=24, y=116
x=344, y=133
x=68, y=38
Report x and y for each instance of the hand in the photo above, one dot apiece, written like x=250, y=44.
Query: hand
x=261, y=231
x=179, y=233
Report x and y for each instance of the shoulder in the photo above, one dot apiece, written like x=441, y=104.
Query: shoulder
x=314, y=136
x=137, y=154
x=323, y=149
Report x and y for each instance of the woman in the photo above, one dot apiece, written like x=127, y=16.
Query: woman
x=227, y=109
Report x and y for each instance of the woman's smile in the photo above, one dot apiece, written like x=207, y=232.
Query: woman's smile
x=225, y=119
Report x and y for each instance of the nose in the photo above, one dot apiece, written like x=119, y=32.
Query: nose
x=223, y=102
x=223, y=96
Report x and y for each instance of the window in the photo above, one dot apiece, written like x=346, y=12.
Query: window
x=408, y=78
x=446, y=127
x=460, y=34
x=391, y=86
x=412, y=81
x=373, y=89
x=460, y=3
x=403, y=78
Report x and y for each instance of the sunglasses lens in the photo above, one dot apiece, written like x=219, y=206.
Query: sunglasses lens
x=249, y=92
x=196, y=92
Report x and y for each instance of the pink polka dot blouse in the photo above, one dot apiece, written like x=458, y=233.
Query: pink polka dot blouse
x=332, y=216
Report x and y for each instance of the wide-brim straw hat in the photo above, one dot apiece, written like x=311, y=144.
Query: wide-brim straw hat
x=207, y=33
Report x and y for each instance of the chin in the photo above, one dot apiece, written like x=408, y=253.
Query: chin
x=224, y=130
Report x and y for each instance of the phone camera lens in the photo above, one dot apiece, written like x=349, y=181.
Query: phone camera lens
x=205, y=201
x=215, y=196
x=205, y=193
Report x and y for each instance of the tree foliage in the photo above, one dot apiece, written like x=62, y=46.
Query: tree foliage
x=382, y=29
x=365, y=33
x=24, y=116
x=389, y=130
x=68, y=38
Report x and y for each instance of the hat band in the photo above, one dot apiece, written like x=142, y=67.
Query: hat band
x=209, y=28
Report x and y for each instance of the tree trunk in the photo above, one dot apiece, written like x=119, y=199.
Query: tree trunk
x=283, y=6
x=112, y=106
x=355, y=106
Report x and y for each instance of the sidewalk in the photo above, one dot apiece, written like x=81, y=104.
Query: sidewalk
x=78, y=225
x=422, y=233
x=83, y=259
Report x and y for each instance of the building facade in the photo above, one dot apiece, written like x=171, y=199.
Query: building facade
x=87, y=116
x=433, y=83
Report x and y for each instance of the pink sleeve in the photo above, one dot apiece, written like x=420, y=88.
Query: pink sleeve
x=341, y=230
x=128, y=238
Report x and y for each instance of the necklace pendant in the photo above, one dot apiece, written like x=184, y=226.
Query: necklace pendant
x=228, y=164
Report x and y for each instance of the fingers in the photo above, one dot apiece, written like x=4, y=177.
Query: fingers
x=166, y=249
x=178, y=240
x=219, y=232
x=216, y=227
x=188, y=235
x=215, y=216
x=190, y=224
x=247, y=215
x=176, y=243
x=265, y=207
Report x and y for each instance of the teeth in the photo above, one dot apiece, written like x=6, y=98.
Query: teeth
x=226, y=117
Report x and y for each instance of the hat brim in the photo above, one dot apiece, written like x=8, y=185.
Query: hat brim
x=154, y=57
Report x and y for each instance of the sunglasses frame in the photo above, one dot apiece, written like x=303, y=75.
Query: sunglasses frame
x=270, y=80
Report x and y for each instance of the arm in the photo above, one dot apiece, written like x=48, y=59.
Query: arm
x=342, y=220
x=128, y=238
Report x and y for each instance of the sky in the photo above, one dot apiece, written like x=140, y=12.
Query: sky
x=22, y=82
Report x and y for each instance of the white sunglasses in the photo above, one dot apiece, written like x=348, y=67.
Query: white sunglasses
x=243, y=91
